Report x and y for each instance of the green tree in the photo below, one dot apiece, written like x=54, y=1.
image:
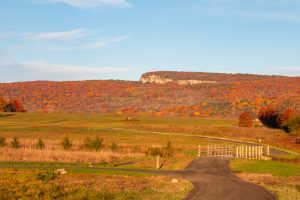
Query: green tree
x=66, y=143
x=114, y=146
x=292, y=126
x=15, y=143
x=40, y=144
x=2, y=141
x=169, y=150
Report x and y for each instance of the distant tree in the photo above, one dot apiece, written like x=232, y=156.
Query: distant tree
x=3, y=104
x=268, y=116
x=66, y=143
x=246, y=120
x=285, y=116
x=15, y=106
x=40, y=144
x=114, y=146
x=15, y=143
x=93, y=144
x=169, y=150
x=292, y=126
x=2, y=141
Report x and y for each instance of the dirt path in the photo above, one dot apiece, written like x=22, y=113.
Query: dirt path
x=213, y=180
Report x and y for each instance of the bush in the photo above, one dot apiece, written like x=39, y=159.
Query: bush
x=114, y=146
x=246, y=120
x=169, y=150
x=292, y=126
x=40, y=144
x=2, y=141
x=154, y=151
x=46, y=176
x=137, y=149
x=93, y=145
x=66, y=143
x=15, y=143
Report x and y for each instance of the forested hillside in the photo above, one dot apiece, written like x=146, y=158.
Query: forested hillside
x=229, y=95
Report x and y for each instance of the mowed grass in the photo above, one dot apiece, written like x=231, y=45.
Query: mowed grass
x=79, y=126
x=44, y=184
x=265, y=167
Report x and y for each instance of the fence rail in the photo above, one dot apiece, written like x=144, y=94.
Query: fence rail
x=249, y=152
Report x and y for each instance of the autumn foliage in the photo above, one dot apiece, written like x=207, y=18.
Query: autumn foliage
x=11, y=106
x=246, y=120
x=228, y=96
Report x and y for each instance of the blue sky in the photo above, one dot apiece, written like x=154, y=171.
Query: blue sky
x=121, y=39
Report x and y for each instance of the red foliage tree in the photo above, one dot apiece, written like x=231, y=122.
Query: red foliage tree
x=285, y=116
x=246, y=120
x=268, y=116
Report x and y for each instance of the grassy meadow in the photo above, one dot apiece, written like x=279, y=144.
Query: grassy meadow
x=126, y=144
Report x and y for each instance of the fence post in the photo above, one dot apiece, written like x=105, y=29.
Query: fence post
x=199, y=150
x=237, y=152
x=268, y=150
x=157, y=162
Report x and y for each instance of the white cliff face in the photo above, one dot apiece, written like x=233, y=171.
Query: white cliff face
x=194, y=82
x=155, y=79
x=160, y=80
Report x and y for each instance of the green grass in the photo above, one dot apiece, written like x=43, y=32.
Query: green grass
x=265, y=167
x=79, y=126
x=44, y=184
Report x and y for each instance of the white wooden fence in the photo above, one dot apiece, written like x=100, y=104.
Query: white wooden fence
x=248, y=152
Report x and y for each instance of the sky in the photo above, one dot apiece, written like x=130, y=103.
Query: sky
x=121, y=39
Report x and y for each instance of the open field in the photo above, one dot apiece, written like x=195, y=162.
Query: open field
x=134, y=140
x=44, y=184
x=283, y=179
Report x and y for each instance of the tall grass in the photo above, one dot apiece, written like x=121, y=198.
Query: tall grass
x=52, y=151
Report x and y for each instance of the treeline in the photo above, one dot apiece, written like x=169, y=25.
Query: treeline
x=222, y=99
x=287, y=119
x=11, y=105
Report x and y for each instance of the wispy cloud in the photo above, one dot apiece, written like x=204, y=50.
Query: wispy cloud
x=64, y=35
x=93, y=3
x=44, y=36
x=95, y=45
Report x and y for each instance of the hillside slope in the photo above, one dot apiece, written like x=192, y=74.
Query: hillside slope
x=214, y=95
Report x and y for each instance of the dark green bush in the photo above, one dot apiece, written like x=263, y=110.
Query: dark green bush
x=66, y=143
x=154, y=151
x=114, y=146
x=2, y=141
x=93, y=144
x=46, y=176
x=169, y=150
x=292, y=126
x=15, y=143
x=40, y=144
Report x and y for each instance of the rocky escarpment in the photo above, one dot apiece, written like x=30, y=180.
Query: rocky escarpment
x=161, y=80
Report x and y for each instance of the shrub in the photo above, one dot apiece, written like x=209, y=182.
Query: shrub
x=66, y=143
x=137, y=149
x=40, y=144
x=93, y=145
x=154, y=151
x=46, y=176
x=169, y=150
x=292, y=126
x=2, y=141
x=15, y=143
x=114, y=146
x=246, y=120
